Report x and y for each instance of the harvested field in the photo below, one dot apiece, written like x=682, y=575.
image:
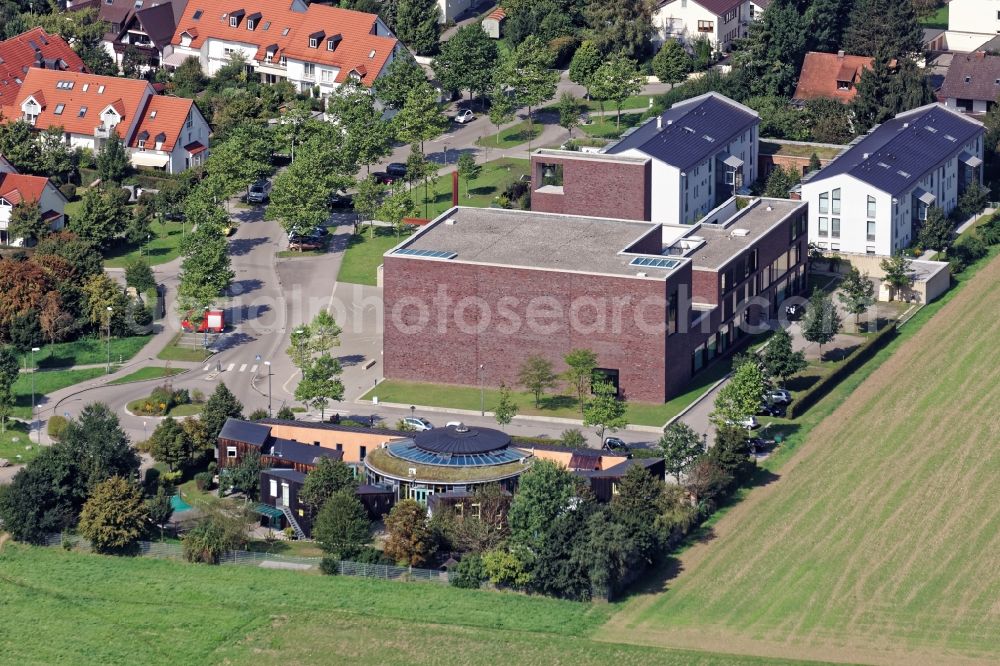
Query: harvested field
x=880, y=540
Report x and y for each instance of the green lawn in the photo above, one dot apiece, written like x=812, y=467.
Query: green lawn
x=89, y=351
x=142, y=374
x=95, y=609
x=364, y=253
x=47, y=382
x=938, y=19
x=493, y=179
x=878, y=535
x=164, y=246
x=176, y=352
x=512, y=136
x=13, y=443
x=606, y=127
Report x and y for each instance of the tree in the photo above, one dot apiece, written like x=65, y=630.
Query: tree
x=218, y=531
x=102, y=216
x=320, y=383
x=285, y=413
x=9, y=373
x=402, y=76
x=562, y=563
x=897, y=273
x=770, y=57
x=780, y=361
x=827, y=20
x=36, y=504
x=706, y=480
x=486, y=528
x=26, y=222
x=569, y=112
x=680, y=446
x=139, y=276
x=671, y=64
x=506, y=408
x=739, y=397
x=160, y=509
x=884, y=27
x=469, y=573
x=526, y=72
x=368, y=198
x=814, y=163
x=169, y=444
x=115, y=517
x=188, y=80
x=467, y=60
x=342, y=526
x=626, y=25
x=781, y=181
x=936, y=231
x=617, y=79
x=504, y=568
x=244, y=476
x=973, y=200
x=585, y=62
x=581, y=364
x=731, y=452
x=417, y=25
x=299, y=195
x=468, y=170
x=857, y=293
x=395, y=208
x=502, y=108
x=537, y=376
x=17, y=144
x=366, y=136
x=324, y=333
x=544, y=491
x=409, y=540
x=112, y=162
x=420, y=119
x=328, y=478
x=635, y=508
x=221, y=405
x=605, y=411
x=573, y=438
x=822, y=321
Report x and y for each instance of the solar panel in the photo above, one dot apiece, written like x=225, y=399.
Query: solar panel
x=654, y=262
x=434, y=254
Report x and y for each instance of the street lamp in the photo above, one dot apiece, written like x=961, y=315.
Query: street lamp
x=33, y=350
x=482, y=390
x=268, y=364
x=109, y=340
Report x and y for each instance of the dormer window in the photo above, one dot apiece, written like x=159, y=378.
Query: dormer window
x=312, y=42
x=316, y=38
x=235, y=17
x=142, y=144
x=332, y=42
x=253, y=20
x=251, y=24
x=843, y=85
x=233, y=21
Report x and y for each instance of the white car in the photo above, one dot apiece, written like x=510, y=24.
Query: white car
x=778, y=396
x=748, y=422
x=465, y=116
x=417, y=423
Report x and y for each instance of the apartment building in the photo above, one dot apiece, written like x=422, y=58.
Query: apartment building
x=721, y=22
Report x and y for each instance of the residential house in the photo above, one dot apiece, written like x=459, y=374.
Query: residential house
x=973, y=25
x=972, y=83
x=721, y=22
x=160, y=132
x=148, y=29
x=872, y=198
x=33, y=49
x=450, y=10
x=830, y=76
x=757, y=8
x=315, y=47
x=702, y=151
x=17, y=189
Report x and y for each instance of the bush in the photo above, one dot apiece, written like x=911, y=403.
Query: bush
x=57, y=426
x=181, y=397
x=329, y=565
x=197, y=396
x=203, y=480
x=68, y=190
x=171, y=478
x=562, y=50
x=965, y=251
x=151, y=481
x=370, y=555
x=469, y=573
x=212, y=467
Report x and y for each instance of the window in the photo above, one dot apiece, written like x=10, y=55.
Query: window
x=330, y=44
x=59, y=109
x=362, y=452
x=197, y=15
x=230, y=451
x=835, y=202
x=273, y=487
x=835, y=227
x=751, y=262
x=871, y=206
x=326, y=75
x=823, y=228
x=706, y=26
x=142, y=144
x=309, y=70
x=283, y=61
x=234, y=21
x=824, y=202
x=340, y=447
x=871, y=230
x=313, y=43
x=251, y=24
x=672, y=314
x=100, y=90
x=835, y=247
x=82, y=113
x=870, y=249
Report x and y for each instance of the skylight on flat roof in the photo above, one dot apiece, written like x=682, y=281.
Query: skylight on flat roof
x=435, y=254
x=949, y=137
x=654, y=262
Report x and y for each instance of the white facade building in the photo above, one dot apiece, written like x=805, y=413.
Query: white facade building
x=720, y=21
x=974, y=16
x=873, y=197
x=17, y=189
x=703, y=151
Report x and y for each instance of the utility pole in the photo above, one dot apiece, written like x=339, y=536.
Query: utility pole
x=109, y=340
x=482, y=390
x=39, y=438
x=268, y=364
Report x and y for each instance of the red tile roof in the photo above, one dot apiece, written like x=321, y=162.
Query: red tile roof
x=90, y=91
x=18, y=53
x=497, y=14
x=165, y=115
x=288, y=30
x=16, y=187
x=821, y=73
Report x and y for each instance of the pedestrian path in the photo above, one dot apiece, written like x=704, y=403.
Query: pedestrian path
x=215, y=368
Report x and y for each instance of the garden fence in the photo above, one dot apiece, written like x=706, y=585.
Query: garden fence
x=174, y=551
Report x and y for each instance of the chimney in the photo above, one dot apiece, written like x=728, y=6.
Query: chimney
x=659, y=122
x=840, y=54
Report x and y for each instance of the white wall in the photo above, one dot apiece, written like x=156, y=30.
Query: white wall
x=974, y=16
x=217, y=58
x=50, y=200
x=679, y=20
x=978, y=105
x=449, y=9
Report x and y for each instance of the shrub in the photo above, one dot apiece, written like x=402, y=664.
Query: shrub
x=504, y=567
x=965, y=251
x=562, y=50
x=370, y=555
x=329, y=565
x=171, y=478
x=151, y=481
x=181, y=397
x=257, y=415
x=197, y=396
x=212, y=467
x=57, y=426
x=203, y=480
x=469, y=573
x=68, y=190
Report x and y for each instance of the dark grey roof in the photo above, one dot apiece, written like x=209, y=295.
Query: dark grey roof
x=373, y=489
x=333, y=426
x=900, y=151
x=289, y=474
x=690, y=131
x=160, y=21
x=297, y=452
x=555, y=446
x=972, y=76
x=245, y=431
x=467, y=440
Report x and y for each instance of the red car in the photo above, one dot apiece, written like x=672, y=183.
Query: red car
x=213, y=321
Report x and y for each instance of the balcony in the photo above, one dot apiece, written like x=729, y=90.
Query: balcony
x=102, y=131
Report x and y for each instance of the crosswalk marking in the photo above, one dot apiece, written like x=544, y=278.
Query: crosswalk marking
x=230, y=368
x=243, y=367
x=205, y=369
x=253, y=369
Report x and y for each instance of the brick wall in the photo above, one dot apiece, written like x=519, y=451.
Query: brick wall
x=600, y=188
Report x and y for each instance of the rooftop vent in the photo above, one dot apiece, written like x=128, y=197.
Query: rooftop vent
x=769, y=209
x=640, y=275
x=460, y=427
x=743, y=233
x=450, y=220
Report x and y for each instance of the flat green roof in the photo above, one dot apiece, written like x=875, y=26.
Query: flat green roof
x=266, y=510
x=381, y=461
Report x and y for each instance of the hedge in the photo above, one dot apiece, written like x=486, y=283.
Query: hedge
x=858, y=357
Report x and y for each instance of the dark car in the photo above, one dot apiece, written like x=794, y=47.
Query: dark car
x=341, y=200
x=319, y=232
x=396, y=169
x=771, y=409
x=616, y=444
x=383, y=178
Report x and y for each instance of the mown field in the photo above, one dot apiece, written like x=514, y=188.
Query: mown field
x=879, y=541
x=70, y=608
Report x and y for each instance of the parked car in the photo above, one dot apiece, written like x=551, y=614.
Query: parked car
x=778, y=396
x=771, y=409
x=383, y=177
x=464, y=116
x=616, y=444
x=747, y=422
x=396, y=169
x=259, y=192
x=297, y=242
x=341, y=200
x=417, y=423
